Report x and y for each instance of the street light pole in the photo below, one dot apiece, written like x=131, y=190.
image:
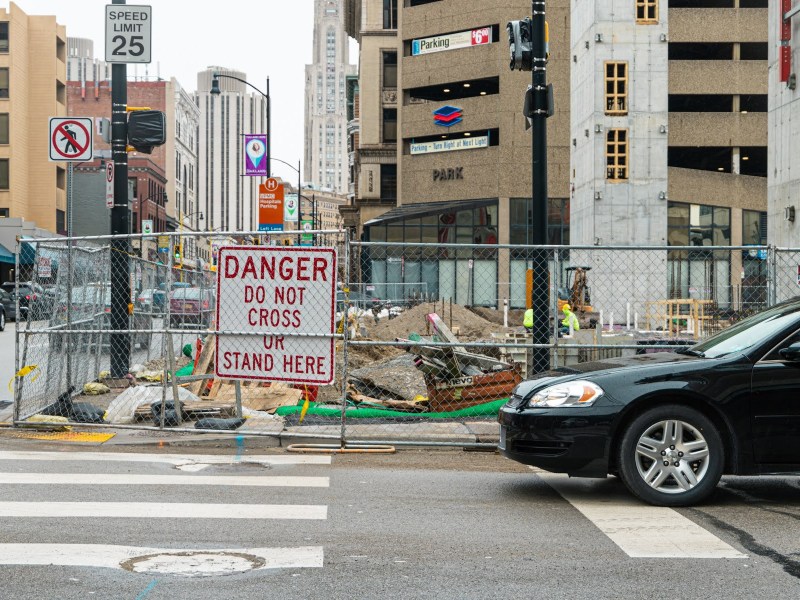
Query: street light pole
x=120, y=226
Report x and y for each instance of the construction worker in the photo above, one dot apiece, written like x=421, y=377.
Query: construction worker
x=527, y=320
x=570, y=319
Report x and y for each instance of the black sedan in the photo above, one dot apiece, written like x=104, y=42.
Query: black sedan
x=669, y=424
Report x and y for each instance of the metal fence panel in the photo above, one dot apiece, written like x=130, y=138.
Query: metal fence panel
x=429, y=338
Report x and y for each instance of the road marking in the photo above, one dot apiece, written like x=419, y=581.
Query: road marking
x=172, y=459
x=640, y=530
x=61, y=436
x=100, y=555
x=161, y=510
x=128, y=479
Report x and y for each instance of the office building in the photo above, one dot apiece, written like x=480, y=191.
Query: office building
x=33, y=53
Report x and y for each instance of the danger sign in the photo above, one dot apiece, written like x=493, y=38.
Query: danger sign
x=70, y=139
x=286, y=298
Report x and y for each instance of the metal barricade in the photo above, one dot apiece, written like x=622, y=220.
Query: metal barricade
x=429, y=339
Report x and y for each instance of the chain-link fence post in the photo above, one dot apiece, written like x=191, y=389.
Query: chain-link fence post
x=18, y=362
x=345, y=342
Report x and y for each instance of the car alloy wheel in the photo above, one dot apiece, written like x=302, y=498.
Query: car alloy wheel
x=671, y=456
x=2, y=320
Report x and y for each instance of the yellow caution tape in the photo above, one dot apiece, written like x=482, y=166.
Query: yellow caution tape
x=24, y=372
x=304, y=410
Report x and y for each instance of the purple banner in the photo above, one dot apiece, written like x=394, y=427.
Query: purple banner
x=255, y=154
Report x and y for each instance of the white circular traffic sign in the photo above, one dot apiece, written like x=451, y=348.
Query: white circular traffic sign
x=70, y=139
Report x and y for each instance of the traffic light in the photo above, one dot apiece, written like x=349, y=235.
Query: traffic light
x=146, y=129
x=178, y=252
x=520, y=44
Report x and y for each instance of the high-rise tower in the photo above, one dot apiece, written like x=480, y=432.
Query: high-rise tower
x=325, y=109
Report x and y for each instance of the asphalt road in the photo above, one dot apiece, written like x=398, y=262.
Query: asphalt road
x=419, y=524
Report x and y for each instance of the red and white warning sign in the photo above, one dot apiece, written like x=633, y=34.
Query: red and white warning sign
x=70, y=138
x=286, y=297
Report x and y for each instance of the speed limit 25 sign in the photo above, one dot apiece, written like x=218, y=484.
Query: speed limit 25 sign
x=128, y=33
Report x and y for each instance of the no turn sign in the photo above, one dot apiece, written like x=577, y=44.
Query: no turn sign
x=70, y=139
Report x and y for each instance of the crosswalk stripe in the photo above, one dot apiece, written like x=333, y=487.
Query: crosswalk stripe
x=101, y=555
x=171, y=510
x=640, y=530
x=128, y=479
x=172, y=459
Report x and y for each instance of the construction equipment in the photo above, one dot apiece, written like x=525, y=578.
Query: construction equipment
x=577, y=294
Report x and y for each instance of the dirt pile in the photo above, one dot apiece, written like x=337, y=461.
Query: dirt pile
x=470, y=325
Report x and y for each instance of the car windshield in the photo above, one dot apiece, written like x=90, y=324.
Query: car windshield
x=748, y=333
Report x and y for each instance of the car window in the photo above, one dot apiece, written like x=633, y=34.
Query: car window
x=187, y=293
x=748, y=333
x=775, y=354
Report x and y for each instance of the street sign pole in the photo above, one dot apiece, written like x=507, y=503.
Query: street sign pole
x=120, y=294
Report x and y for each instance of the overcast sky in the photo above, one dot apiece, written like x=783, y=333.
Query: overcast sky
x=263, y=38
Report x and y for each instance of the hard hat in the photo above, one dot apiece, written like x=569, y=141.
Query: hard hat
x=566, y=308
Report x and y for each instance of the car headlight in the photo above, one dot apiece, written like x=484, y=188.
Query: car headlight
x=571, y=393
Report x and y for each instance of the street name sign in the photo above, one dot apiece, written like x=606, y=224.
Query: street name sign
x=284, y=300
x=129, y=33
x=70, y=139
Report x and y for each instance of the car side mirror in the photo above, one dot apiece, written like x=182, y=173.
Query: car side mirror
x=792, y=353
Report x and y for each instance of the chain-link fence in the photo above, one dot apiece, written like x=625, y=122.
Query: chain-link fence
x=351, y=341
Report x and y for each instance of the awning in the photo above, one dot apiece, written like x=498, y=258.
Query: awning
x=6, y=256
x=424, y=209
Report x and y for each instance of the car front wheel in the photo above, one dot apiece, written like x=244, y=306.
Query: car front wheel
x=671, y=456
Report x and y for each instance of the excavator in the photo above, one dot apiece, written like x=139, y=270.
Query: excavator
x=577, y=294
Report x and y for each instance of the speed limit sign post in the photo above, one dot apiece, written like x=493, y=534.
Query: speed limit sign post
x=128, y=33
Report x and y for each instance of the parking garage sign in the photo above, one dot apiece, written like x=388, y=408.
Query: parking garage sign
x=283, y=300
x=452, y=41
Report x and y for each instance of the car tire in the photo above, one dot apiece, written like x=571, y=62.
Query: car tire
x=667, y=434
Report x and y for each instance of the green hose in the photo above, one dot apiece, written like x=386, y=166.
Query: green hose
x=490, y=409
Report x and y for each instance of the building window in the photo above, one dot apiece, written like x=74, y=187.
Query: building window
x=4, y=180
x=647, y=11
x=4, y=83
x=616, y=88
x=390, y=125
x=4, y=37
x=61, y=222
x=754, y=228
x=389, y=69
x=389, y=182
x=4, y=212
x=617, y=155
x=390, y=14
x=3, y=128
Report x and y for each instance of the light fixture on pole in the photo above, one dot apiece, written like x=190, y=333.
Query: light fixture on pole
x=215, y=91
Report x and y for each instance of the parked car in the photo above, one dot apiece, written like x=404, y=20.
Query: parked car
x=91, y=309
x=152, y=301
x=191, y=306
x=9, y=305
x=32, y=297
x=669, y=424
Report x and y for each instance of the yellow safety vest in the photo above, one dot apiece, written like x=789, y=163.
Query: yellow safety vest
x=527, y=321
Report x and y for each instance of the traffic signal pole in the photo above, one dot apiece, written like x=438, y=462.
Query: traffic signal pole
x=541, y=274
x=120, y=226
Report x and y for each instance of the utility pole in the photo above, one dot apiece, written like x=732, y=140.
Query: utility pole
x=120, y=226
x=527, y=44
x=541, y=272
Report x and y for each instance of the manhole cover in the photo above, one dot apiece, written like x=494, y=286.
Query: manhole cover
x=198, y=563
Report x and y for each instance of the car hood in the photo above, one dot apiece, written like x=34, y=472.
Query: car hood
x=653, y=363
